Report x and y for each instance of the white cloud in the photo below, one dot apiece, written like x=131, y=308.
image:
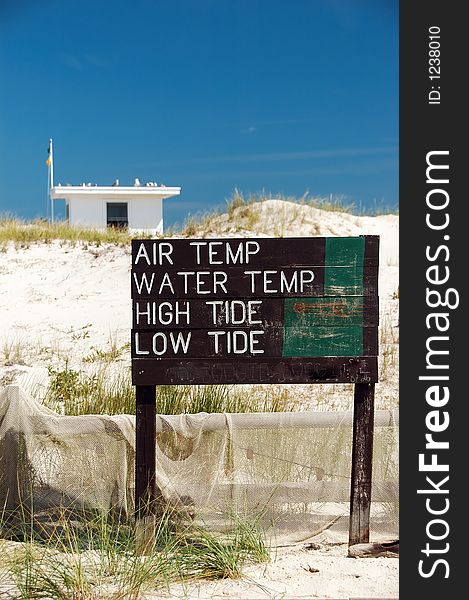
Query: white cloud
x=250, y=129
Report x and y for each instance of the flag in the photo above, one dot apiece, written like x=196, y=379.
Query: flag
x=49, y=159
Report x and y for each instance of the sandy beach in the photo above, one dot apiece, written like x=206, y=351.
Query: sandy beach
x=61, y=302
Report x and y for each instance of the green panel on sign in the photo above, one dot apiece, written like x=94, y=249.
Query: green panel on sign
x=323, y=312
x=344, y=266
x=323, y=341
x=342, y=252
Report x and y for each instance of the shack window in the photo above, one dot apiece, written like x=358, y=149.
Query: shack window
x=117, y=214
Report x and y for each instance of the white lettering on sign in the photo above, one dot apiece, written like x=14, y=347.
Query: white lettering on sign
x=219, y=280
x=234, y=258
x=160, y=251
x=214, y=279
x=213, y=282
x=234, y=312
x=143, y=281
x=166, y=282
x=281, y=284
x=204, y=282
x=215, y=256
x=180, y=341
x=236, y=342
x=163, y=313
x=160, y=342
x=138, y=350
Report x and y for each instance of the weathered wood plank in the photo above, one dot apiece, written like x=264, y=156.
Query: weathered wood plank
x=145, y=457
x=370, y=341
x=232, y=313
x=251, y=342
x=362, y=456
x=240, y=282
x=261, y=252
x=371, y=250
x=255, y=370
x=378, y=549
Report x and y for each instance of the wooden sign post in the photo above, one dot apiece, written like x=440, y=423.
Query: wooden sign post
x=290, y=310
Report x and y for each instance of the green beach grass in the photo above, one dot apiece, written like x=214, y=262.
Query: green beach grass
x=238, y=207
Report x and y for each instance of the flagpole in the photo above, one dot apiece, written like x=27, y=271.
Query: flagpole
x=48, y=192
x=51, y=179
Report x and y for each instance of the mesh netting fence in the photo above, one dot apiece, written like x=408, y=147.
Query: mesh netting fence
x=291, y=470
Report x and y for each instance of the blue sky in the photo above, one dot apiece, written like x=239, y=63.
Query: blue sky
x=212, y=95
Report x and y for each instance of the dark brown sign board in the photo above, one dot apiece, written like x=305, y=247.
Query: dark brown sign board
x=290, y=310
x=241, y=310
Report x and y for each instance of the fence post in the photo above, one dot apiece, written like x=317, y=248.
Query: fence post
x=145, y=467
x=362, y=456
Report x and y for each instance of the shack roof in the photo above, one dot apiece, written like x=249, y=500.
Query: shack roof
x=84, y=192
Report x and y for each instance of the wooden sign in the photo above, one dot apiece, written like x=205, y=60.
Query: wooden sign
x=290, y=310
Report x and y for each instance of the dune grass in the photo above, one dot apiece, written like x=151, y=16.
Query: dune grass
x=24, y=233
x=13, y=352
x=100, y=558
x=331, y=203
x=78, y=392
x=238, y=208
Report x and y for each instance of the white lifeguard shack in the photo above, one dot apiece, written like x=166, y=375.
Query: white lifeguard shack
x=138, y=207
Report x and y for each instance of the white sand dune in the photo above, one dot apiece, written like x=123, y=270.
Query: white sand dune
x=58, y=301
